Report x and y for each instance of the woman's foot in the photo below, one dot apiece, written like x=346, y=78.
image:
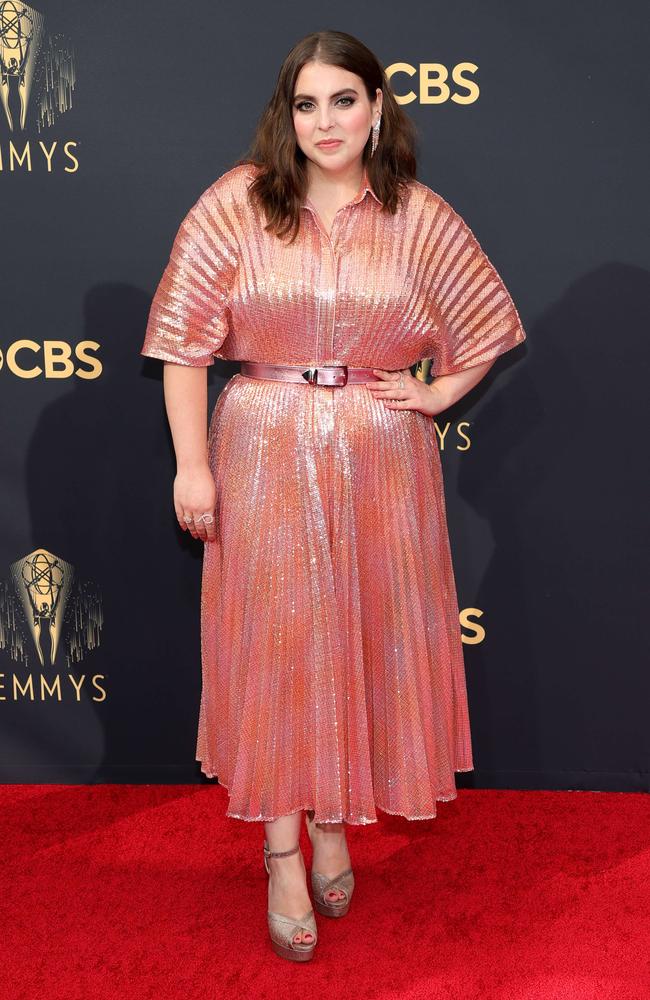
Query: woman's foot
x=288, y=892
x=330, y=852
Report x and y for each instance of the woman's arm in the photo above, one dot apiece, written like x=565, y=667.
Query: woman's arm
x=430, y=399
x=186, y=403
x=448, y=389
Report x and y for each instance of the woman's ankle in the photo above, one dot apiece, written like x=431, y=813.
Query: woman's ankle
x=287, y=869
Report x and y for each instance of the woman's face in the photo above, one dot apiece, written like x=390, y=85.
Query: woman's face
x=331, y=103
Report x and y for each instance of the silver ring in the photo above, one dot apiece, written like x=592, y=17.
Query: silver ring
x=207, y=518
x=188, y=518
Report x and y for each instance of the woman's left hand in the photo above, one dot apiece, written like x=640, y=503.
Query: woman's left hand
x=414, y=394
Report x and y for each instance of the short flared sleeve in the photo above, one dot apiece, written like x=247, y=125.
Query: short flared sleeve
x=474, y=317
x=189, y=316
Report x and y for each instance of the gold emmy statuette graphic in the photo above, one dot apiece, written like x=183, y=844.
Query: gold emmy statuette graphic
x=31, y=58
x=20, y=33
x=423, y=369
x=43, y=581
x=45, y=595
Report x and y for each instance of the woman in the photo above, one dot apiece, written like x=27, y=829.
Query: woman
x=333, y=676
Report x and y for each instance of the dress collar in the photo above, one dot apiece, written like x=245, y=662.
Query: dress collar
x=364, y=187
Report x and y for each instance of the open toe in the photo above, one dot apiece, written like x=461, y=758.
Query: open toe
x=291, y=937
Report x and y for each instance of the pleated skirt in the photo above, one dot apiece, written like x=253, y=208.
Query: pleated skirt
x=332, y=668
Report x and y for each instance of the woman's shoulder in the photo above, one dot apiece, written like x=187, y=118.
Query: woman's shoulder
x=424, y=199
x=232, y=185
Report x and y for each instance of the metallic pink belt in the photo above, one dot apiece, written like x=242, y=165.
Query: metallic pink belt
x=315, y=375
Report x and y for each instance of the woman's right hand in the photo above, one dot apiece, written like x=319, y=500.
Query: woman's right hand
x=195, y=494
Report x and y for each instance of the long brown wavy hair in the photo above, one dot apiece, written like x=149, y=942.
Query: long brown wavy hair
x=281, y=184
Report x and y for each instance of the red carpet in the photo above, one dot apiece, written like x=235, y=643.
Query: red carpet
x=138, y=891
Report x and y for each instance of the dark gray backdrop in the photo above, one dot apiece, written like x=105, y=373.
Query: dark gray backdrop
x=549, y=167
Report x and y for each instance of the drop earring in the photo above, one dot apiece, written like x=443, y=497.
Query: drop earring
x=375, y=135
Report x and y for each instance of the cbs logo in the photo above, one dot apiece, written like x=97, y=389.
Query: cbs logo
x=433, y=86
x=467, y=617
x=52, y=359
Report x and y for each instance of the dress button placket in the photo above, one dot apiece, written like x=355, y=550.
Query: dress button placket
x=327, y=356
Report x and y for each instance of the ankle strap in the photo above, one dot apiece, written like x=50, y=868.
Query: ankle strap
x=280, y=854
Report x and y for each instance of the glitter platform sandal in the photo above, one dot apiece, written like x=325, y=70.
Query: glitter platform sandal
x=322, y=884
x=283, y=929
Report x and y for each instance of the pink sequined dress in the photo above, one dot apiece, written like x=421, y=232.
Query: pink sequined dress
x=332, y=664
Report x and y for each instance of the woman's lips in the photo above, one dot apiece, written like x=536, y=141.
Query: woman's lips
x=330, y=143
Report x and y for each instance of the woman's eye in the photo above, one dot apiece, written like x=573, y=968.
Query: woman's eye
x=300, y=106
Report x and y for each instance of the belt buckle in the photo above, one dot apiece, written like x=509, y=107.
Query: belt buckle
x=311, y=374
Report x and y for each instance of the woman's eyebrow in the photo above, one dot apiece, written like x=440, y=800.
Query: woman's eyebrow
x=309, y=97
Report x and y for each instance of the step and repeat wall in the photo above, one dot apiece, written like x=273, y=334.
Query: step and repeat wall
x=532, y=124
